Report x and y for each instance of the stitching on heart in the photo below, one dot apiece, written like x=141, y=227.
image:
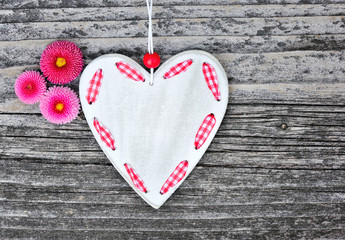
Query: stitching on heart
x=211, y=79
x=204, y=130
x=94, y=86
x=175, y=177
x=129, y=71
x=104, y=134
x=137, y=181
x=178, y=68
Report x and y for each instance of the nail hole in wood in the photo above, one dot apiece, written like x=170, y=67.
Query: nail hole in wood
x=284, y=126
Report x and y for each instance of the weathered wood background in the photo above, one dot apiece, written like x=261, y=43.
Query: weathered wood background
x=276, y=168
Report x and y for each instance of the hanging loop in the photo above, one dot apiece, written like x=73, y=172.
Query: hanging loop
x=149, y=4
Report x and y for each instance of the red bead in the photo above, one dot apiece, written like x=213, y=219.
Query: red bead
x=152, y=60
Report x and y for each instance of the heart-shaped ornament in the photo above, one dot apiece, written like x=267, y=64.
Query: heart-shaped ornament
x=154, y=135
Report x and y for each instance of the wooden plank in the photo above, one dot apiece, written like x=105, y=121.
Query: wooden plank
x=15, y=4
x=245, y=233
x=24, y=179
x=171, y=27
x=202, y=211
x=84, y=198
x=163, y=12
x=28, y=52
x=284, y=95
x=156, y=225
x=251, y=136
x=121, y=194
x=285, y=67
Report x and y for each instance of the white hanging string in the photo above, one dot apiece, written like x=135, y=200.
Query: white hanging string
x=149, y=4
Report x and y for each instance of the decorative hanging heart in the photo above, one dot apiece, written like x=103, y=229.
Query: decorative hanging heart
x=154, y=135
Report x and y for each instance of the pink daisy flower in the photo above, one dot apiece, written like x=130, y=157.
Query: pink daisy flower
x=61, y=62
x=30, y=87
x=60, y=105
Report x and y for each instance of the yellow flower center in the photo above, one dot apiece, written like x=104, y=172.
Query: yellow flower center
x=59, y=107
x=60, y=62
x=28, y=87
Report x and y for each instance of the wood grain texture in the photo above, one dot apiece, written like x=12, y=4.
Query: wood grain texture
x=27, y=4
x=172, y=27
x=276, y=168
x=166, y=12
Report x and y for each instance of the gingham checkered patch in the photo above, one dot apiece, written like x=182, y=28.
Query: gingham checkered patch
x=104, y=134
x=178, y=68
x=204, y=130
x=129, y=71
x=137, y=181
x=211, y=79
x=176, y=176
x=94, y=85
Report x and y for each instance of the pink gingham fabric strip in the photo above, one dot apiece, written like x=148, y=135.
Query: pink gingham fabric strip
x=137, y=181
x=94, y=86
x=211, y=79
x=176, y=176
x=130, y=72
x=178, y=68
x=204, y=130
x=104, y=134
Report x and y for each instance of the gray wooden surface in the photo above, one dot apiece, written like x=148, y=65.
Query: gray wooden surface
x=276, y=169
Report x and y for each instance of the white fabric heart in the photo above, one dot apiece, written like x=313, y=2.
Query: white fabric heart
x=154, y=128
